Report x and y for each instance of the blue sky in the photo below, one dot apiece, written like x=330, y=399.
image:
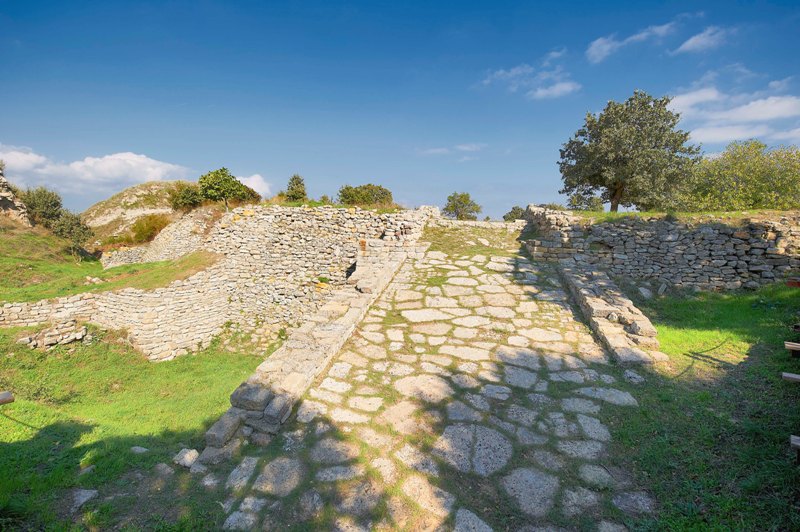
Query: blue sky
x=424, y=98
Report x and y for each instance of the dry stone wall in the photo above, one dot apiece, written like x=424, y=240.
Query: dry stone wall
x=277, y=265
x=708, y=255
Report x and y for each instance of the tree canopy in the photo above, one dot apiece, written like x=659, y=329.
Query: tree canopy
x=221, y=185
x=746, y=175
x=44, y=205
x=516, y=213
x=631, y=154
x=368, y=194
x=296, y=189
x=461, y=207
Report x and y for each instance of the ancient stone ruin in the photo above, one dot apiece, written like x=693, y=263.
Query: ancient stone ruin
x=10, y=205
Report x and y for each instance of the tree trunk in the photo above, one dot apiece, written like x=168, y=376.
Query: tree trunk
x=616, y=197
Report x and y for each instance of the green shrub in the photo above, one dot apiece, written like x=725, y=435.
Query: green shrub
x=70, y=227
x=516, y=213
x=368, y=194
x=221, y=185
x=146, y=228
x=185, y=196
x=44, y=206
x=296, y=189
x=553, y=206
x=579, y=202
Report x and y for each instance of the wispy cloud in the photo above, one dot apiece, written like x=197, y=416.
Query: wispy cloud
x=467, y=147
x=549, y=80
x=710, y=38
x=110, y=172
x=715, y=116
x=602, y=47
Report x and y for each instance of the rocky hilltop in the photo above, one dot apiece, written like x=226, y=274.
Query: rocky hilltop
x=116, y=214
x=10, y=205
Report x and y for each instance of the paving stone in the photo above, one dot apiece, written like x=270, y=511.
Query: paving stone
x=416, y=459
x=241, y=474
x=541, y=335
x=428, y=388
x=332, y=451
x=634, y=502
x=596, y=475
x=252, y=504
x=584, y=406
x=587, y=450
x=422, y=315
x=519, y=377
x=340, y=370
x=386, y=468
x=279, y=477
x=465, y=353
x=608, y=526
x=472, y=321
x=462, y=281
x=465, y=381
x=359, y=498
x=431, y=498
x=455, y=446
x=338, y=473
x=325, y=395
x=593, y=428
x=526, y=358
x=335, y=386
x=433, y=329
x=240, y=521
x=310, y=505
x=495, y=391
x=467, y=521
x=400, y=417
x=368, y=404
x=309, y=410
x=609, y=395
x=528, y=437
x=458, y=411
x=343, y=415
x=492, y=451
x=533, y=490
x=577, y=500
x=521, y=415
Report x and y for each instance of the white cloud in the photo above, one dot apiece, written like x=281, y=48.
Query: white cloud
x=723, y=134
x=548, y=81
x=687, y=102
x=792, y=135
x=110, y=172
x=710, y=38
x=602, y=47
x=257, y=183
x=475, y=146
x=780, y=85
x=556, y=90
x=761, y=110
x=468, y=147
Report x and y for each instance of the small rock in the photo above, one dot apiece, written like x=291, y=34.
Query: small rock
x=632, y=377
x=81, y=497
x=163, y=470
x=186, y=457
x=139, y=450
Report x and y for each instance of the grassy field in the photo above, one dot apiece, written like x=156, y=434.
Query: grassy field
x=87, y=405
x=711, y=439
x=728, y=217
x=36, y=265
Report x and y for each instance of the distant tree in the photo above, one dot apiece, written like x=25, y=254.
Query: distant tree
x=246, y=194
x=553, y=206
x=578, y=202
x=44, y=205
x=746, y=175
x=185, y=196
x=516, y=213
x=70, y=227
x=368, y=194
x=461, y=207
x=326, y=200
x=631, y=154
x=296, y=189
x=220, y=185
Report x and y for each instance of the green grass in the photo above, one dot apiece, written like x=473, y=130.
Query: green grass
x=36, y=265
x=711, y=439
x=87, y=405
x=464, y=241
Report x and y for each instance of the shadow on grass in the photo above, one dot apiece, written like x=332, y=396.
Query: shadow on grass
x=40, y=473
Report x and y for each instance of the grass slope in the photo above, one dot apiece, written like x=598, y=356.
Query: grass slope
x=85, y=405
x=35, y=265
x=712, y=437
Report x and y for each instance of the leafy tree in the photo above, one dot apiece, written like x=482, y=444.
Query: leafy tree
x=246, y=194
x=578, y=202
x=326, y=200
x=44, y=205
x=219, y=185
x=631, y=154
x=516, y=213
x=296, y=189
x=368, y=194
x=461, y=207
x=745, y=176
x=70, y=227
x=185, y=196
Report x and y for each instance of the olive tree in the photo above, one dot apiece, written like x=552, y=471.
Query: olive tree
x=631, y=154
x=461, y=207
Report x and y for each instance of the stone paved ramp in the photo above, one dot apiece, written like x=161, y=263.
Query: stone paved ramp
x=470, y=398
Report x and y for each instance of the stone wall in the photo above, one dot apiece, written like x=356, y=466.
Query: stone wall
x=10, y=205
x=709, y=255
x=277, y=266
x=512, y=227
